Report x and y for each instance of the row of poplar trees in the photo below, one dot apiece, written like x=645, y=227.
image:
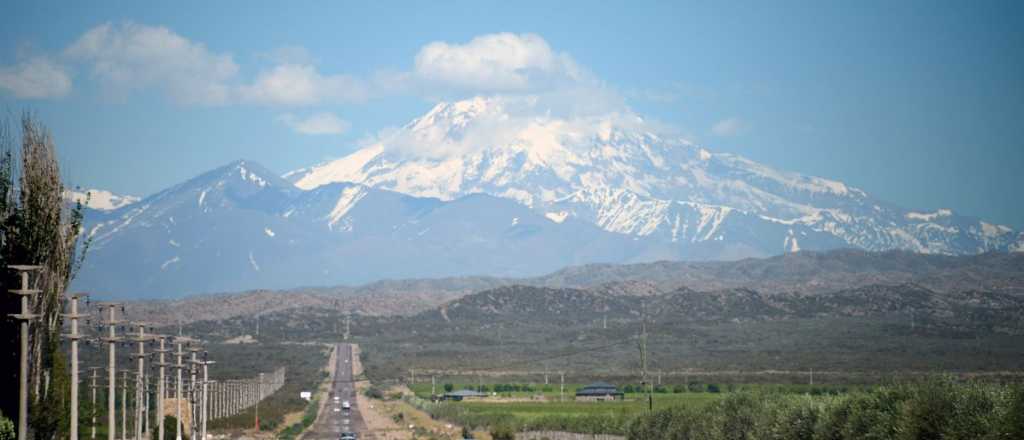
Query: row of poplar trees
x=39, y=227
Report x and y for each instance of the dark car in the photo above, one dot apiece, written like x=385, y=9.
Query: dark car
x=348, y=436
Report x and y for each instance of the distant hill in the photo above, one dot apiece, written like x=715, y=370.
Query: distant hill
x=799, y=274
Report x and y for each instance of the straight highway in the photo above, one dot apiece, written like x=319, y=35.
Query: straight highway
x=335, y=419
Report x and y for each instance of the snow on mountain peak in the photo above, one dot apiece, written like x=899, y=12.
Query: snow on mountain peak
x=626, y=175
x=99, y=199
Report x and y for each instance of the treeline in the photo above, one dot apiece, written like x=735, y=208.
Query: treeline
x=932, y=409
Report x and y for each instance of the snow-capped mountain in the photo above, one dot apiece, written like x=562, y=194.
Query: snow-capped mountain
x=618, y=172
x=492, y=187
x=99, y=199
x=242, y=227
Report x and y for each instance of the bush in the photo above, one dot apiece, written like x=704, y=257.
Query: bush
x=503, y=432
x=374, y=393
x=7, y=430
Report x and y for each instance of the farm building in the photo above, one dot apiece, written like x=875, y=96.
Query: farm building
x=598, y=391
x=461, y=395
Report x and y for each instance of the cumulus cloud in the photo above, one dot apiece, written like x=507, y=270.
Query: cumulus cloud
x=37, y=78
x=497, y=62
x=728, y=127
x=129, y=56
x=294, y=84
x=316, y=124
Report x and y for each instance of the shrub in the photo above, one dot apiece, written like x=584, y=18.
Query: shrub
x=7, y=430
x=502, y=432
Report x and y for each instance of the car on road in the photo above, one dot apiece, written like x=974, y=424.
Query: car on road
x=346, y=405
x=348, y=436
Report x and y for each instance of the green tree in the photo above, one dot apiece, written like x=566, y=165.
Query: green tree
x=38, y=227
x=448, y=387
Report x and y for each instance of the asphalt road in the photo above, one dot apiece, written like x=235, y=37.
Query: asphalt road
x=334, y=420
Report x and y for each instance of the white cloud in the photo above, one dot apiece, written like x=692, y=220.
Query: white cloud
x=131, y=56
x=295, y=84
x=37, y=78
x=497, y=62
x=316, y=124
x=728, y=127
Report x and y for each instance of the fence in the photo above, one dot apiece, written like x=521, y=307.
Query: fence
x=230, y=397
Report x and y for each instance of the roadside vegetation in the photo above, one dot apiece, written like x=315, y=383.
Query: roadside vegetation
x=939, y=407
x=932, y=409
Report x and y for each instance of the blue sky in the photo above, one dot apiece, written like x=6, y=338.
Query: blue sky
x=918, y=103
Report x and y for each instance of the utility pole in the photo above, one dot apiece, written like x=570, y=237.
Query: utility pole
x=561, y=386
x=643, y=356
x=24, y=317
x=204, y=402
x=177, y=388
x=160, y=387
x=433, y=386
x=193, y=371
x=74, y=336
x=94, y=370
x=140, y=391
x=124, y=404
x=259, y=396
x=111, y=339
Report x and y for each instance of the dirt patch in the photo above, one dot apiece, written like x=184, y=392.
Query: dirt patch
x=357, y=365
x=410, y=415
x=377, y=420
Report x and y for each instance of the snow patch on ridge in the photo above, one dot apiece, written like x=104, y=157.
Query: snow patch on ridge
x=252, y=262
x=349, y=198
x=927, y=217
x=557, y=217
x=169, y=262
x=99, y=199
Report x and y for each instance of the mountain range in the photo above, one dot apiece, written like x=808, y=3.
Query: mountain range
x=497, y=187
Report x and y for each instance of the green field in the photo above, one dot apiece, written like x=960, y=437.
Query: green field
x=634, y=403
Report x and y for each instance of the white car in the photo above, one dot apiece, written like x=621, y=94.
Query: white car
x=336, y=409
x=346, y=405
